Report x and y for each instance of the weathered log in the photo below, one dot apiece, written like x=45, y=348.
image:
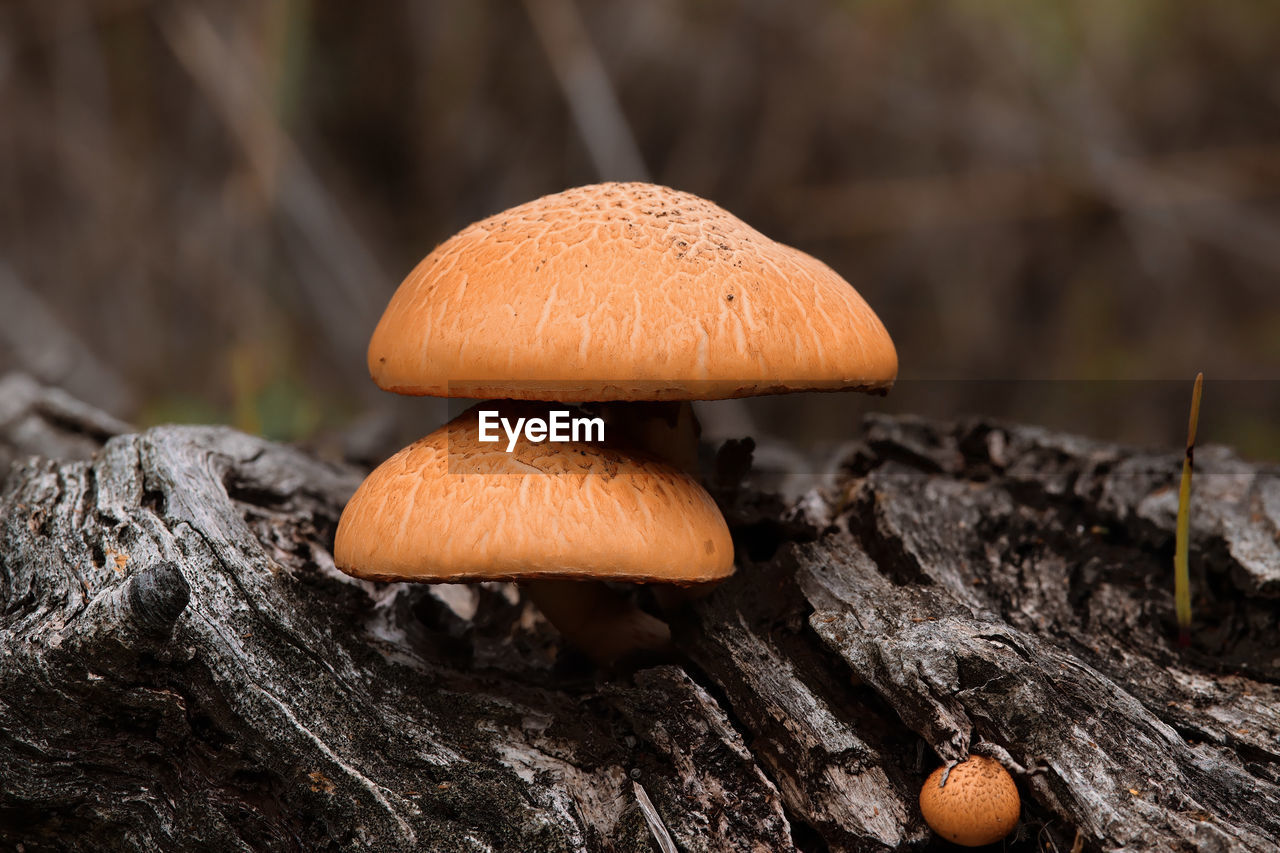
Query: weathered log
x=182, y=667
x=42, y=421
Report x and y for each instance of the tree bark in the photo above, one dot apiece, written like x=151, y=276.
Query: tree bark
x=183, y=668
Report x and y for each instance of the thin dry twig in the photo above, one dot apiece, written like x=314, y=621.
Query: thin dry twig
x=587, y=89
x=651, y=817
x=51, y=352
x=340, y=279
x=1181, y=180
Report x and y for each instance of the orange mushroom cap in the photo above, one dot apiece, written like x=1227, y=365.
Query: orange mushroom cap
x=978, y=805
x=624, y=291
x=453, y=508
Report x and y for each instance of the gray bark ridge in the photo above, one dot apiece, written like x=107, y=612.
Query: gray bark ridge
x=183, y=668
x=1030, y=612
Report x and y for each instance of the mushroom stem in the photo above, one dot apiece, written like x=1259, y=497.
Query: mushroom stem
x=668, y=430
x=592, y=617
x=596, y=620
x=1182, y=533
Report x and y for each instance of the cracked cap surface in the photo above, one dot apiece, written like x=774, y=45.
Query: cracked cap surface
x=452, y=508
x=624, y=292
x=978, y=805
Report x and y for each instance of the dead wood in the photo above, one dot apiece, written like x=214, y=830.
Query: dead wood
x=182, y=668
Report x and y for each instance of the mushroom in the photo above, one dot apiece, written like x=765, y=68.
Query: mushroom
x=625, y=292
x=633, y=296
x=972, y=804
x=452, y=508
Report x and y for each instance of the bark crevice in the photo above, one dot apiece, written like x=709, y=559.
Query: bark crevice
x=182, y=667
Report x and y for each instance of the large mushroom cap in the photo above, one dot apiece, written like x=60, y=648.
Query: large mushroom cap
x=978, y=805
x=625, y=292
x=452, y=508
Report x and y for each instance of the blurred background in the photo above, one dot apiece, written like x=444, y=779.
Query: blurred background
x=1061, y=211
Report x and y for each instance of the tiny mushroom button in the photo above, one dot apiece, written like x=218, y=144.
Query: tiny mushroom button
x=977, y=804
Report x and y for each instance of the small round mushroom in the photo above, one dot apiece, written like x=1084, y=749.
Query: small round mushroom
x=977, y=805
x=452, y=508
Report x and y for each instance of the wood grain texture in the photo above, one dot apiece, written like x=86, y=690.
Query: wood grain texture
x=182, y=667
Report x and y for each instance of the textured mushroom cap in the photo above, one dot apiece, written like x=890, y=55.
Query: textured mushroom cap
x=625, y=292
x=452, y=508
x=978, y=805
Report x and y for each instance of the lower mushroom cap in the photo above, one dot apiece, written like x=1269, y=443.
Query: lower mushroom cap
x=978, y=805
x=453, y=508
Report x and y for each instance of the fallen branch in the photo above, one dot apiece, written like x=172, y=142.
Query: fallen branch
x=181, y=667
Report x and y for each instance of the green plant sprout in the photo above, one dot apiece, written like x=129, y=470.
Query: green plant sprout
x=1181, y=570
